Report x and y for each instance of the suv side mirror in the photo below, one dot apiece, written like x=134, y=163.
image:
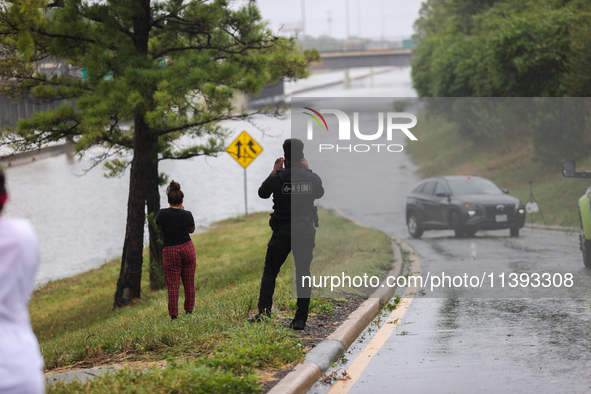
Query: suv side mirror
x=506, y=191
x=568, y=170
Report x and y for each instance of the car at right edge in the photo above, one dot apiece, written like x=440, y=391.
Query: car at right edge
x=569, y=171
x=462, y=203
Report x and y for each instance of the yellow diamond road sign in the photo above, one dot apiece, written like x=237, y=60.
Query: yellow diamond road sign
x=244, y=149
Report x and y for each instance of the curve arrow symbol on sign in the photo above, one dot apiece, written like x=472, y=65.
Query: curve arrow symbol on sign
x=250, y=143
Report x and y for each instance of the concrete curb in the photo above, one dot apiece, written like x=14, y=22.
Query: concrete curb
x=324, y=352
x=81, y=375
x=548, y=227
x=356, y=323
x=299, y=380
x=319, y=359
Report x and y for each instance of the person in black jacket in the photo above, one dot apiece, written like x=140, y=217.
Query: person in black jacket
x=294, y=188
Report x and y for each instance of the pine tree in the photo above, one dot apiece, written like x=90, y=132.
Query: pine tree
x=133, y=76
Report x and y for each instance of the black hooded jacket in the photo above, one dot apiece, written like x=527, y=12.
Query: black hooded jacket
x=294, y=190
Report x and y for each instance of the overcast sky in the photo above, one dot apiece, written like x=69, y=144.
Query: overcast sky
x=367, y=18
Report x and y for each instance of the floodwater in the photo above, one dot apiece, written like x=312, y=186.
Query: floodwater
x=80, y=217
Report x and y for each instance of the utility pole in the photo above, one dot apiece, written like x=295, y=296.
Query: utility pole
x=383, y=23
x=358, y=19
x=328, y=20
x=303, y=17
x=347, y=18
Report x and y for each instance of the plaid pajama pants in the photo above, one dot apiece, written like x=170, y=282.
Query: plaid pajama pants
x=179, y=262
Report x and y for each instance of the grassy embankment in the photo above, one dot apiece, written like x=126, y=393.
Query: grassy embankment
x=219, y=351
x=441, y=151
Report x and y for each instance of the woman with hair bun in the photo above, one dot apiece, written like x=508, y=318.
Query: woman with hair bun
x=178, y=253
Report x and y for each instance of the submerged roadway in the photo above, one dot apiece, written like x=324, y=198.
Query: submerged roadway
x=464, y=340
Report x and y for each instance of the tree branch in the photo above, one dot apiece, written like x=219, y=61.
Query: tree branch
x=56, y=3
x=117, y=25
x=200, y=48
x=201, y=123
x=190, y=155
x=74, y=38
x=156, y=22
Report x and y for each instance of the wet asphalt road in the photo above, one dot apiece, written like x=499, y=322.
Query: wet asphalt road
x=485, y=340
x=459, y=344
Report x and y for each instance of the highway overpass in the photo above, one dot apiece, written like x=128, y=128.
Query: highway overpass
x=367, y=58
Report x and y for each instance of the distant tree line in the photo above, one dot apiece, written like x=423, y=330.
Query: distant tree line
x=509, y=48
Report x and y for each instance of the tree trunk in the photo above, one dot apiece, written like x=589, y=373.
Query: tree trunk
x=144, y=143
x=130, y=276
x=153, y=203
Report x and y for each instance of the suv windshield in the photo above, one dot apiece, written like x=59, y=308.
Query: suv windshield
x=473, y=186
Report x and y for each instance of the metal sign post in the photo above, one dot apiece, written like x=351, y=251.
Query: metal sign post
x=244, y=149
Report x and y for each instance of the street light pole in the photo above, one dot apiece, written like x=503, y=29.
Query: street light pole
x=358, y=19
x=304, y=17
x=383, y=23
x=347, y=16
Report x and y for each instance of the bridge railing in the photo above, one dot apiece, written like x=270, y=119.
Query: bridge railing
x=326, y=44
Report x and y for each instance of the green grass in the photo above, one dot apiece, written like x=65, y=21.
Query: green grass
x=352, y=250
x=74, y=320
x=178, y=377
x=508, y=162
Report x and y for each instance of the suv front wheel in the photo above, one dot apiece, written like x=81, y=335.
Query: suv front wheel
x=456, y=225
x=414, y=227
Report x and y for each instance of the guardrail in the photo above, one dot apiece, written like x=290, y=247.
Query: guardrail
x=327, y=44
